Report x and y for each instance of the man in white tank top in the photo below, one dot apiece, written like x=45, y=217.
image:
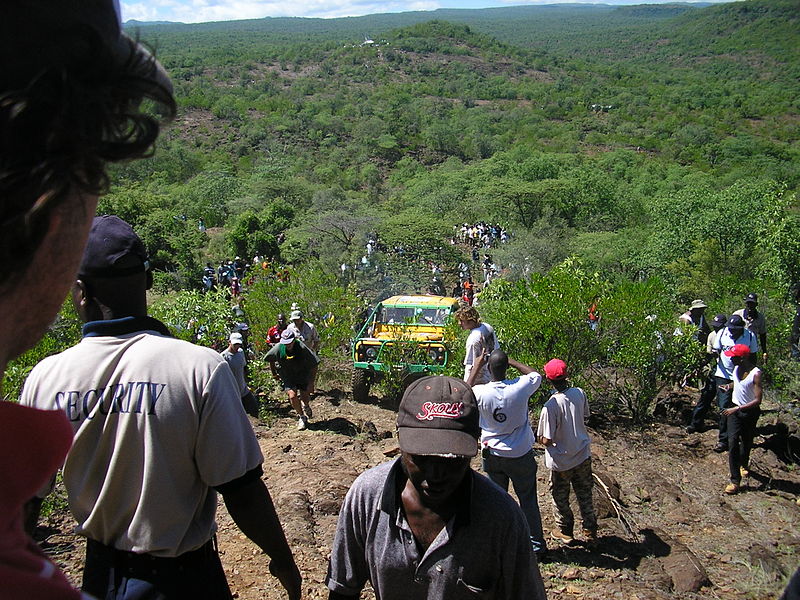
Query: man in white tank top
x=743, y=415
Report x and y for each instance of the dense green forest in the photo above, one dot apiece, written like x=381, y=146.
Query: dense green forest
x=645, y=143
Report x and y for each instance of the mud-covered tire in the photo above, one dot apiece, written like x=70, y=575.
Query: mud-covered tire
x=361, y=381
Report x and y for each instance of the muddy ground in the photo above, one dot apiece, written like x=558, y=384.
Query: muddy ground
x=684, y=533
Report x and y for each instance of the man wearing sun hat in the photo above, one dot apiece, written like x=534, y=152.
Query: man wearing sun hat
x=568, y=453
x=426, y=526
x=695, y=316
x=295, y=366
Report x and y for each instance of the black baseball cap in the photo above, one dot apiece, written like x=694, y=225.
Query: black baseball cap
x=751, y=297
x=438, y=415
x=719, y=320
x=736, y=321
x=113, y=250
x=39, y=35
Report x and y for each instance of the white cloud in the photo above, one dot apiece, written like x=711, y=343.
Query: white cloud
x=200, y=11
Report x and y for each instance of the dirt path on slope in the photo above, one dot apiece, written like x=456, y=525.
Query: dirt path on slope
x=668, y=486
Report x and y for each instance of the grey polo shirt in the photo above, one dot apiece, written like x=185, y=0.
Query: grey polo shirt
x=483, y=552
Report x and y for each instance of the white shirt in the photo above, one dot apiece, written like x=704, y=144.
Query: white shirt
x=480, y=339
x=503, y=406
x=725, y=341
x=744, y=391
x=562, y=420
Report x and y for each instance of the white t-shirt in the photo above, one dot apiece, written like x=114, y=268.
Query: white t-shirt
x=236, y=361
x=503, y=407
x=725, y=341
x=158, y=422
x=307, y=333
x=480, y=338
x=563, y=420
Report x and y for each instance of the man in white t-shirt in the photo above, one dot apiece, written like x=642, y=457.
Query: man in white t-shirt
x=506, y=436
x=735, y=332
x=481, y=339
x=234, y=356
x=567, y=452
x=159, y=429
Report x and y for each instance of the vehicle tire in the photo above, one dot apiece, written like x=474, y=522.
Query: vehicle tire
x=360, y=385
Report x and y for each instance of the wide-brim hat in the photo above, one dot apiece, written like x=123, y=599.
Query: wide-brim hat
x=438, y=415
x=698, y=304
x=296, y=314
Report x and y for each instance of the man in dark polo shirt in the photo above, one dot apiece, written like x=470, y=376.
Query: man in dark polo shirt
x=426, y=526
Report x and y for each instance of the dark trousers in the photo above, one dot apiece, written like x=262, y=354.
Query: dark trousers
x=111, y=574
x=723, y=402
x=704, y=402
x=741, y=431
x=250, y=404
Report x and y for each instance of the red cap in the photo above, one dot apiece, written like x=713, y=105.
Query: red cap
x=555, y=369
x=738, y=350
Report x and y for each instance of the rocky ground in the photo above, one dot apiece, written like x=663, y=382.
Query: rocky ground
x=666, y=528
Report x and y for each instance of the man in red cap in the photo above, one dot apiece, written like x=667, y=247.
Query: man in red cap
x=743, y=414
x=426, y=526
x=568, y=453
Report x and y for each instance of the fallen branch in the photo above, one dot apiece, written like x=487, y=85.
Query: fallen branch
x=623, y=516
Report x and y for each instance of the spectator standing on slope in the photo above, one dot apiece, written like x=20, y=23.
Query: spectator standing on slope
x=506, y=436
x=709, y=391
x=481, y=339
x=734, y=333
x=157, y=420
x=568, y=454
x=743, y=415
x=754, y=321
x=274, y=333
x=235, y=357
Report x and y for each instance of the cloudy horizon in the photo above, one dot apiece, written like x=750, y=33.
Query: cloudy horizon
x=202, y=11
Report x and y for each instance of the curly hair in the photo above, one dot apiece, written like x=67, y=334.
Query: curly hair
x=468, y=313
x=59, y=132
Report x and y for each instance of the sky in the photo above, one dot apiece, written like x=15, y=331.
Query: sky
x=200, y=11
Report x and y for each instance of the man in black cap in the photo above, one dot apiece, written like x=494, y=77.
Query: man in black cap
x=159, y=429
x=426, y=526
x=71, y=86
x=734, y=333
x=754, y=321
x=709, y=390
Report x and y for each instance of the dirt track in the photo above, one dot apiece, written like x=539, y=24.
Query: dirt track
x=669, y=486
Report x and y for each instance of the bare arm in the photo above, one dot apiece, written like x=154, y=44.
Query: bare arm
x=251, y=508
x=477, y=366
x=522, y=368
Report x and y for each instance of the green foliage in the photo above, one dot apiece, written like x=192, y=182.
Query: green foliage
x=62, y=334
x=204, y=318
x=330, y=307
x=630, y=357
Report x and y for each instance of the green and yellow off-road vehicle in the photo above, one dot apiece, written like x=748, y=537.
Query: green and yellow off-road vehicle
x=404, y=334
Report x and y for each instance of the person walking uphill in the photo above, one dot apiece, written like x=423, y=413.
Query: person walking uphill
x=159, y=429
x=743, y=415
x=568, y=453
x=426, y=526
x=72, y=85
x=295, y=366
x=506, y=436
x=481, y=339
x=234, y=356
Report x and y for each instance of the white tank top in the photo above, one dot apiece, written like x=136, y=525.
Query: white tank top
x=744, y=390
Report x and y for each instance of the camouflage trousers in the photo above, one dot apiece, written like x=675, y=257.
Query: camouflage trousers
x=582, y=483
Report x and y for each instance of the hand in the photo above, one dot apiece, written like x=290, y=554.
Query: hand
x=729, y=411
x=764, y=357
x=289, y=576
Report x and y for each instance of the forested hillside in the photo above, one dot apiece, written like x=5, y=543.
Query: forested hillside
x=596, y=125
x=647, y=142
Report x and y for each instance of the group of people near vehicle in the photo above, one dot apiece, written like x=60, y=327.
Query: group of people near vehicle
x=150, y=429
